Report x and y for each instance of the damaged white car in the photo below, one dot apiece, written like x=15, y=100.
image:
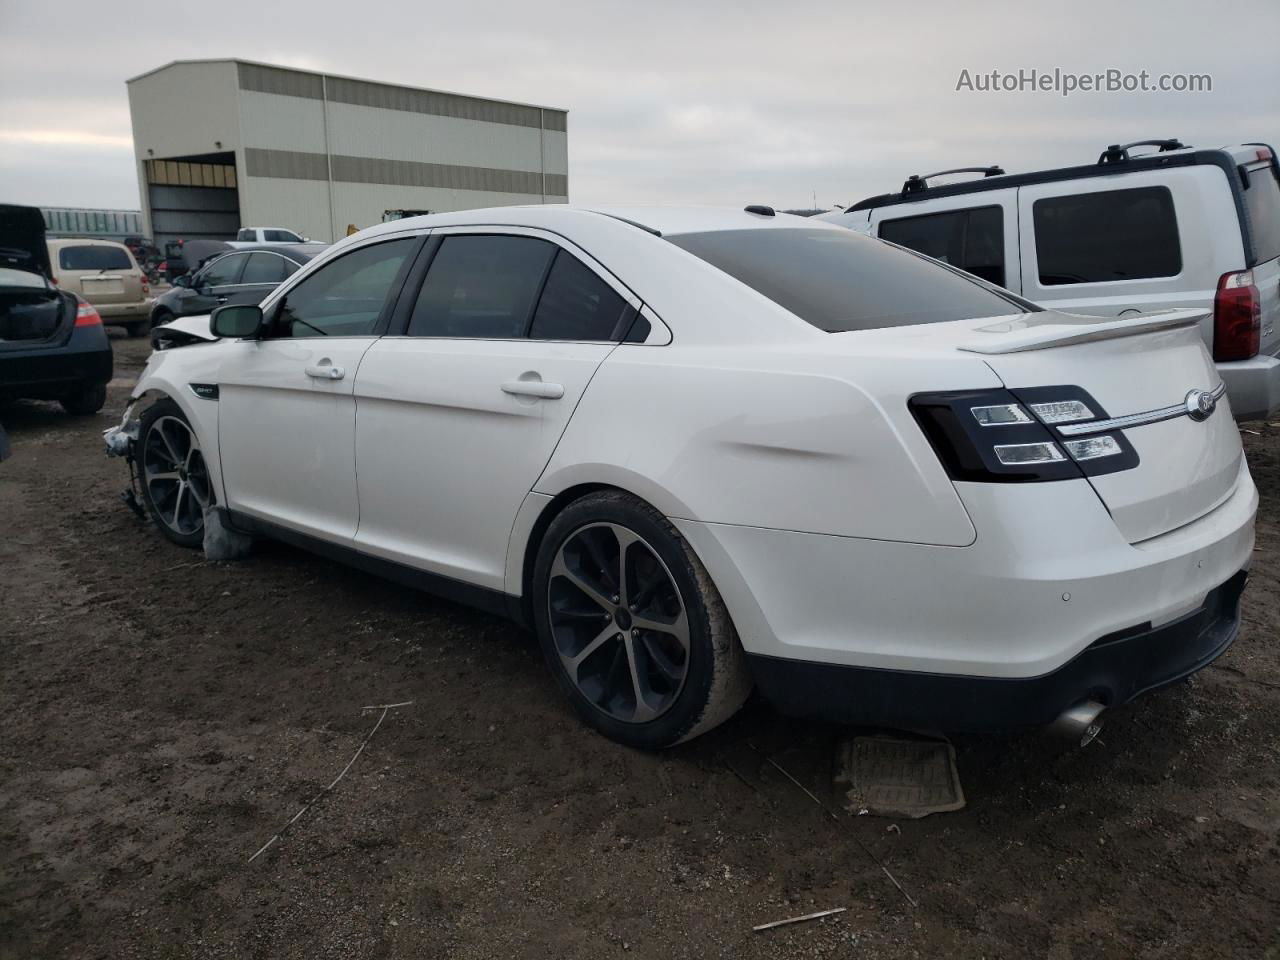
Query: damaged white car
x=699, y=450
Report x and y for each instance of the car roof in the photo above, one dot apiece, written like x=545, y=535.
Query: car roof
x=660, y=220
x=301, y=252
x=59, y=242
x=1222, y=157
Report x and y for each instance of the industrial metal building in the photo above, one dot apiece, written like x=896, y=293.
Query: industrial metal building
x=222, y=144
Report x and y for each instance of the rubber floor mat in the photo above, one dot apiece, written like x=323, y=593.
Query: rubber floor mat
x=900, y=778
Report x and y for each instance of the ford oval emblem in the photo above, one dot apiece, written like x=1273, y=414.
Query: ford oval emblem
x=1200, y=405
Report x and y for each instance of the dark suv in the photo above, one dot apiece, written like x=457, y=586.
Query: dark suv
x=243, y=275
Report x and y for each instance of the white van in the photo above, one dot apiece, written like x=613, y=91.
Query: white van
x=1177, y=227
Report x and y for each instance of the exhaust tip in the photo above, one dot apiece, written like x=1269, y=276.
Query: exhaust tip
x=1079, y=724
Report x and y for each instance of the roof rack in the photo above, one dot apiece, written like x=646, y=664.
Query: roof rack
x=1117, y=153
x=918, y=184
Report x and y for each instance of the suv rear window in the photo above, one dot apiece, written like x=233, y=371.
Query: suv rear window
x=94, y=258
x=1107, y=236
x=1262, y=203
x=971, y=239
x=838, y=280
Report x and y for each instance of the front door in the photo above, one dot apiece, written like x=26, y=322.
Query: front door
x=286, y=426
x=210, y=284
x=457, y=417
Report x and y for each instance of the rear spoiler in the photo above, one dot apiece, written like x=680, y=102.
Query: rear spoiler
x=1041, y=331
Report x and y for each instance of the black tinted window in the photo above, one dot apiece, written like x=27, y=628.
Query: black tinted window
x=1107, y=236
x=344, y=297
x=576, y=304
x=263, y=268
x=1262, y=203
x=223, y=271
x=838, y=280
x=246, y=233
x=972, y=240
x=481, y=286
x=94, y=258
x=280, y=236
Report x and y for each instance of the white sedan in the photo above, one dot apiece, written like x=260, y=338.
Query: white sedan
x=699, y=450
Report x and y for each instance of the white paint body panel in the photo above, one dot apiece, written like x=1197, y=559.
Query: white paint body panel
x=787, y=456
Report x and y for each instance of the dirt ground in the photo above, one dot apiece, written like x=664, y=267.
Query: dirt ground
x=163, y=717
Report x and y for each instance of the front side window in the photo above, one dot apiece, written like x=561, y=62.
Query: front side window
x=1262, y=205
x=481, y=286
x=223, y=271
x=576, y=304
x=263, y=268
x=838, y=280
x=1106, y=236
x=94, y=258
x=972, y=240
x=345, y=297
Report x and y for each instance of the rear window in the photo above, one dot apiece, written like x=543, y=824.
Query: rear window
x=1262, y=203
x=838, y=280
x=1107, y=236
x=972, y=240
x=94, y=258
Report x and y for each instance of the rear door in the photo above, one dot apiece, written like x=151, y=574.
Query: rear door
x=286, y=427
x=975, y=232
x=458, y=414
x=102, y=273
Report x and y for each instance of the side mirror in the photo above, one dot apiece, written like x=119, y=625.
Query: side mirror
x=236, y=321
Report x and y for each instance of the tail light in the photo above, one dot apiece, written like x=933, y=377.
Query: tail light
x=146, y=286
x=1003, y=436
x=1237, y=318
x=87, y=316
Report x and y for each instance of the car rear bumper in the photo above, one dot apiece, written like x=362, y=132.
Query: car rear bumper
x=1111, y=671
x=46, y=373
x=1253, y=387
x=124, y=312
x=1048, y=575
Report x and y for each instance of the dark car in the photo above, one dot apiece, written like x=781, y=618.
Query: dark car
x=52, y=343
x=245, y=275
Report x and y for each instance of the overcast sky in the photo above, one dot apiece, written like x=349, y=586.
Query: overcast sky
x=719, y=101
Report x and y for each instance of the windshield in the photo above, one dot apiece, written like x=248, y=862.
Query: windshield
x=838, y=280
x=1262, y=202
x=22, y=278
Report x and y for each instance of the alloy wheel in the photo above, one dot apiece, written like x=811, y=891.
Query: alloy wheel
x=175, y=475
x=618, y=622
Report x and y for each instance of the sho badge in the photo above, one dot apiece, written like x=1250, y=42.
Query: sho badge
x=1200, y=405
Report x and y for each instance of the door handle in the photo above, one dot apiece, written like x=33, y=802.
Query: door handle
x=534, y=388
x=222, y=299
x=325, y=371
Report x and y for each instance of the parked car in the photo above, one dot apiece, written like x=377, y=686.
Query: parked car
x=698, y=449
x=104, y=273
x=52, y=343
x=267, y=235
x=1133, y=232
x=240, y=276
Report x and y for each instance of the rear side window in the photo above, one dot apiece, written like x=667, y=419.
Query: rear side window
x=1262, y=204
x=838, y=280
x=972, y=240
x=94, y=258
x=576, y=304
x=1107, y=236
x=263, y=268
x=481, y=286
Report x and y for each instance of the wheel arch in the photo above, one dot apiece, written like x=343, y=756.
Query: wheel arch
x=201, y=414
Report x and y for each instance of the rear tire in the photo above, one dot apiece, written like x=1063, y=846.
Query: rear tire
x=175, y=481
x=85, y=400
x=631, y=625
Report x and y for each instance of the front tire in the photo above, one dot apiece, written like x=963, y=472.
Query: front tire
x=632, y=626
x=138, y=327
x=175, y=481
x=85, y=400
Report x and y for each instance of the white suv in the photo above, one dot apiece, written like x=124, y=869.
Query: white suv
x=1180, y=227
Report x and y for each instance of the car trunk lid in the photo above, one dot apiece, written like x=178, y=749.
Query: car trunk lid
x=22, y=244
x=1151, y=367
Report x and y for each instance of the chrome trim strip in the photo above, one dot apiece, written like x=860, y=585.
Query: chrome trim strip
x=1135, y=419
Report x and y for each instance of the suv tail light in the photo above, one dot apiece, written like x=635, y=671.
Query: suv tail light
x=87, y=316
x=1237, y=318
x=1011, y=436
